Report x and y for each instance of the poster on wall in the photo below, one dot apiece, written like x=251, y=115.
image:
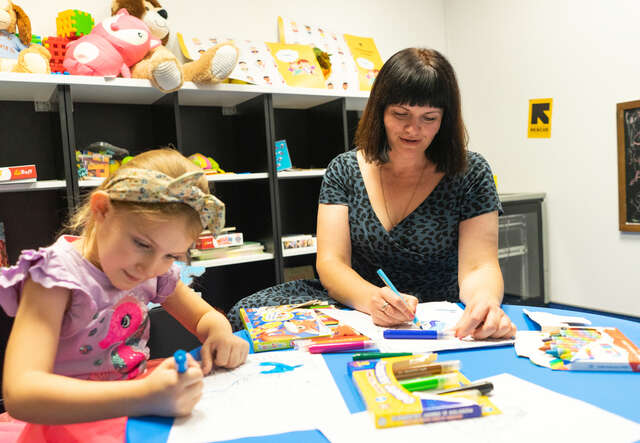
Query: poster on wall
x=540, y=118
x=628, y=117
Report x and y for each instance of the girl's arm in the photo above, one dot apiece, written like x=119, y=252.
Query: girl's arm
x=219, y=345
x=333, y=263
x=33, y=393
x=480, y=280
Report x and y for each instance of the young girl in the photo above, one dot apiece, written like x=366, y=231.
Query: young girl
x=80, y=305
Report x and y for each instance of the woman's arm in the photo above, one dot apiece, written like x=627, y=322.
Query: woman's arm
x=33, y=393
x=333, y=263
x=219, y=345
x=480, y=279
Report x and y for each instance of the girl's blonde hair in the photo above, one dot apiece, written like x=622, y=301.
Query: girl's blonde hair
x=168, y=161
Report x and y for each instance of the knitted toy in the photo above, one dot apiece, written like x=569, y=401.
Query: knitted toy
x=17, y=54
x=161, y=66
x=112, y=46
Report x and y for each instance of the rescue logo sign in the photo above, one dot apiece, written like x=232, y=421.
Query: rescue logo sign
x=540, y=118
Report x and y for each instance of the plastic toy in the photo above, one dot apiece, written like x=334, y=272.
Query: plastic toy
x=161, y=66
x=18, y=54
x=57, y=47
x=111, y=48
x=73, y=23
x=208, y=164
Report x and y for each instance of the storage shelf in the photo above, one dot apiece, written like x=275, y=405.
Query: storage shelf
x=302, y=173
x=42, y=185
x=233, y=260
x=299, y=251
x=237, y=177
x=514, y=251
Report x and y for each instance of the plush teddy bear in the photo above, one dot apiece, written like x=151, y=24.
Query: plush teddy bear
x=161, y=66
x=18, y=54
x=111, y=47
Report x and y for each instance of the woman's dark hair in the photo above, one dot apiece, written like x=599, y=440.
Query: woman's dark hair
x=416, y=77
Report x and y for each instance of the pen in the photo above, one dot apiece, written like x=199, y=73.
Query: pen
x=433, y=382
x=340, y=347
x=181, y=360
x=375, y=355
x=387, y=282
x=425, y=334
x=483, y=386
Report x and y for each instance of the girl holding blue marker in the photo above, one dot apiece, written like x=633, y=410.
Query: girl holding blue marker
x=412, y=200
x=78, y=348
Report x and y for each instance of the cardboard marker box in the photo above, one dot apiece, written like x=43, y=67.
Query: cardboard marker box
x=18, y=174
x=224, y=240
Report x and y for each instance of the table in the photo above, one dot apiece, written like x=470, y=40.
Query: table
x=616, y=392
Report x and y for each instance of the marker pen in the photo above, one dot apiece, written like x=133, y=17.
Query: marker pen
x=483, y=386
x=181, y=360
x=433, y=382
x=424, y=334
x=376, y=355
x=340, y=347
x=391, y=286
x=403, y=371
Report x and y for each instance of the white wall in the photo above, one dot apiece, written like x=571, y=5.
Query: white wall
x=406, y=23
x=583, y=54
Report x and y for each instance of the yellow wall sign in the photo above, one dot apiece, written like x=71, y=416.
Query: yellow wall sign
x=540, y=117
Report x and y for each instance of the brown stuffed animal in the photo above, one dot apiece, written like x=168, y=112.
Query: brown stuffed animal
x=16, y=54
x=161, y=66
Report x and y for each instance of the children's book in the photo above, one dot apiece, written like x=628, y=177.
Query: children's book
x=277, y=327
x=579, y=349
x=367, y=59
x=392, y=405
x=18, y=174
x=343, y=74
x=297, y=65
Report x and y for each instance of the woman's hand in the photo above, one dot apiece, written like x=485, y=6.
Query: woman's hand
x=482, y=319
x=171, y=394
x=224, y=349
x=387, y=309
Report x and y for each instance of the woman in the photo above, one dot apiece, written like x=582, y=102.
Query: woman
x=410, y=199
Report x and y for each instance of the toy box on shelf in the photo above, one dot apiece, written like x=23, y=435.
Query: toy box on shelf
x=18, y=174
x=225, y=239
x=297, y=242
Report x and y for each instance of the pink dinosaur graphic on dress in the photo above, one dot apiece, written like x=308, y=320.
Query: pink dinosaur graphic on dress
x=112, y=46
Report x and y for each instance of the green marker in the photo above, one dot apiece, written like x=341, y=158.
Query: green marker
x=376, y=355
x=440, y=381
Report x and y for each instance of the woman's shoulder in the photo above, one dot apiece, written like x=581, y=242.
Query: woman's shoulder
x=347, y=159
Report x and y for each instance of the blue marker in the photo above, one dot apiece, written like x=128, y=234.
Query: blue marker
x=425, y=334
x=181, y=360
x=387, y=282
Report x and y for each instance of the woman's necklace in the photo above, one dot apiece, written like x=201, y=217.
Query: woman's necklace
x=406, y=208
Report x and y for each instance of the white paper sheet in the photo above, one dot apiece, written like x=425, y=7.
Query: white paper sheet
x=244, y=402
x=547, y=320
x=530, y=414
x=435, y=315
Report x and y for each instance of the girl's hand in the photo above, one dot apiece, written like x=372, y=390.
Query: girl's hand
x=225, y=350
x=387, y=309
x=170, y=393
x=482, y=319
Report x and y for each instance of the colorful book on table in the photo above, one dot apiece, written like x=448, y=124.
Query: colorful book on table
x=580, y=349
x=277, y=327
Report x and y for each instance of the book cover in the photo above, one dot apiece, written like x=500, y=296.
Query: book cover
x=580, y=349
x=4, y=257
x=297, y=65
x=277, y=327
x=367, y=58
x=343, y=74
x=18, y=174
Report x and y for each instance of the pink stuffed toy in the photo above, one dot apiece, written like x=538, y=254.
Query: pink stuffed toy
x=112, y=46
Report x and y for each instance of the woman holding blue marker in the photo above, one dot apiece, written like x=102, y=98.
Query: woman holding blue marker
x=411, y=200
